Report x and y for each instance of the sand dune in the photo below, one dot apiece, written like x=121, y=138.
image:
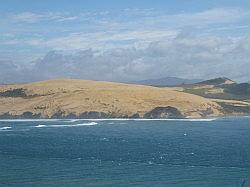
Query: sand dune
x=74, y=98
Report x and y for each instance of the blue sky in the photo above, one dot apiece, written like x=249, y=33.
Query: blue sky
x=80, y=5
x=141, y=35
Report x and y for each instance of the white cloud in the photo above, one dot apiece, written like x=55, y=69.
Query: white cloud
x=188, y=57
x=97, y=40
x=68, y=18
x=30, y=17
x=211, y=16
x=148, y=46
x=108, y=32
x=138, y=16
x=27, y=17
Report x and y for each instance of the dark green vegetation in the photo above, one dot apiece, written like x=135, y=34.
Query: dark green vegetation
x=224, y=89
x=19, y=92
x=216, y=82
x=242, y=89
x=219, y=89
x=230, y=108
x=204, y=93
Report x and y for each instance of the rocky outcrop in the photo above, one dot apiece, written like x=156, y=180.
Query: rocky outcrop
x=25, y=115
x=157, y=113
x=164, y=112
x=94, y=115
x=63, y=115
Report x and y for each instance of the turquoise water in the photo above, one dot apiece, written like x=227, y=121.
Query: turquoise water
x=172, y=153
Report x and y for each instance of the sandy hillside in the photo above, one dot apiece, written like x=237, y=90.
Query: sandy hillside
x=75, y=97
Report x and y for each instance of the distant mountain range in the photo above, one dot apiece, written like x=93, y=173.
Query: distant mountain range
x=167, y=81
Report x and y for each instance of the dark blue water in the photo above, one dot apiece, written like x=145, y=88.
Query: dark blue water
x=125, y=153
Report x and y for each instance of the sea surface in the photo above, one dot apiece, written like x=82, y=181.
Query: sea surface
x=172, y=153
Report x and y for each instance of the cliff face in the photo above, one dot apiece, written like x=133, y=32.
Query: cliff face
x=94, y=99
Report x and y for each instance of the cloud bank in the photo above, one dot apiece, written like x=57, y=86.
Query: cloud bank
x=182, y=56
x=133, y=44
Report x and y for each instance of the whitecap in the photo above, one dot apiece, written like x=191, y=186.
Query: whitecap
x=5, y=128
x=204, y=119
x=74, y=120
x=150, y=162
x=40, y=126
x=74, y=125
x=104, y=139
x=70, y=120
x=86, y=124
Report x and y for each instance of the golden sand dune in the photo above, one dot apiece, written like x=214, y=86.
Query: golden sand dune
x=82, y=98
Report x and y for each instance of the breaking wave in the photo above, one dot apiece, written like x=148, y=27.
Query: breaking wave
x=106, y=119
x=68, y=125
x=29, y=120
x=5, y=128
x=186, y=119
x=40, y=126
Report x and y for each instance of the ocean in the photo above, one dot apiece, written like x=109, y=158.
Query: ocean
x=172, y=153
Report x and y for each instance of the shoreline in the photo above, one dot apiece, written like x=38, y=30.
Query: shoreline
x=123, y=119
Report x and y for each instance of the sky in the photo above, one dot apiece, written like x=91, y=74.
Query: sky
x=124, y=40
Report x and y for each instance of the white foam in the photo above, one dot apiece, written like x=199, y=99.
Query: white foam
x=87, y=124
x=70, y=125
x=40, y=126
x=106, y=119
x=205, y=119
x=73, y=120
x=28, y=120
x=70, y=120
x=246, y=116
x=111, y=119
x=5, y=128
x=143, y=119
x=128, y=119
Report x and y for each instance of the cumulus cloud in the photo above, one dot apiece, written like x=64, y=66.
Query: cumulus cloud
x=188, y=57
x=147, y=44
